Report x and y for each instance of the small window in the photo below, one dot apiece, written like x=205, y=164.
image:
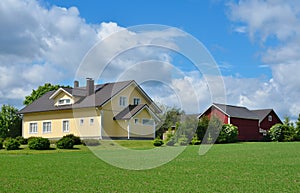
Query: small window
x=122, y=101
x=66, y=126
x=64, y=101
x=147, y=122
x=136, y=101
x=81, y=121
x=33, y=128
x=91, y=121
x=46, y=127
x=136, y=121
x=270, y=118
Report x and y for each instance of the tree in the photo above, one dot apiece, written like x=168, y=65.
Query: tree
x=10, y=122
x=281, y=132
x=297, y=129
x=202, y=127
x=213, y=126
x=35, y=94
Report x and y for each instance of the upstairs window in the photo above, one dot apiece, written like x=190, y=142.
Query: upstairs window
x=64, y=101
x=136, y=101
x=91, y=121
x=270, y=118
x=122, y=101
x=147, y=122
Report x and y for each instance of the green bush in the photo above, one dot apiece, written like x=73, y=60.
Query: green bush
x=195, y=141
x=39, y=143
x=91, y=142
x=11, y=144
x=30, y=138
x=76, y=139
x=281, y=132
x=171, y=142
x=158, y=142
x=228, y=134
x=22, y=140
x=65, y=143
x=183, y=140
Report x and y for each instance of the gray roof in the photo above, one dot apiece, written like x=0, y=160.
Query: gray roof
x=103, y=93
x=129, y=112
x=262, y=113
x=236, y=111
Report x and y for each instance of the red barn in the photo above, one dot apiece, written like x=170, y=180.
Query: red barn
x=252, y=125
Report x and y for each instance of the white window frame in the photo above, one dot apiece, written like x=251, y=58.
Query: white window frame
x=35, y=128
x=136, y=121
x=270, y=118
x=68, y=126
x=123, y=101
x=92, y=121
x=148, y=120
x=138, y=99
x=63, y=101
x=48, y=130
x=81, y=121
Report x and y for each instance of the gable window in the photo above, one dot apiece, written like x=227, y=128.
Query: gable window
x=33, y=128
x=270, y=118
x=64, y=101
x=136, y=101
x=46, y=127
x=136, y=121
x=65, y=125
x=122, y=101
x=81, y=121
x=91, y=121
x=147, y=122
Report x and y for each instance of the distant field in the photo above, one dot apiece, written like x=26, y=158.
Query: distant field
x=241, y=167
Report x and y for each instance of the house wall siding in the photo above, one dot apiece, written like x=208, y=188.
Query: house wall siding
x=266, y=124
x=248, y=129
x=217, y=113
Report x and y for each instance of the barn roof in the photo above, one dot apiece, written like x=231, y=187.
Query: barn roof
x=236, y=111
x=262, y=113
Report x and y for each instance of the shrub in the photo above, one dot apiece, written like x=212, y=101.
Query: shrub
x=11, y=144
x=195, y=141
x=30, y=138
x=281, y=132
x=91, y=142
x=171, y=142
x=39, y=143
x=183, y=140
x=228, y=134
x=21, y=140
x=76, y=139
x=158, y=142
x=65, y=143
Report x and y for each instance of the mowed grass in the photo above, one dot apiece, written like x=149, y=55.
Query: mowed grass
x=241, y=167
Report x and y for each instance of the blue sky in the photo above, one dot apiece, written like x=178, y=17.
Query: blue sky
x=255, y=43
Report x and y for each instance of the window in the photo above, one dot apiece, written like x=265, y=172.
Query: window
x=64, y=101
x=46, y=127
x=147, y=122
x=91, y=121
x=122, y=101
x=136, y=101
x=81, y=121
x=33, y=128
x=136, y=121
x=270, y=118
x=65, y=126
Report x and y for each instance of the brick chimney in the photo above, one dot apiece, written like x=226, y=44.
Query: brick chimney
x=76, y=84
x=89, y=86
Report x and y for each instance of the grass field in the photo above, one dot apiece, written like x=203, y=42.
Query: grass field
x=241, y=167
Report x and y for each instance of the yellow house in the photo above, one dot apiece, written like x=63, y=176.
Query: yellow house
x=111, y=110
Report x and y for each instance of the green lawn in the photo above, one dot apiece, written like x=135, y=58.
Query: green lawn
x=241, y=167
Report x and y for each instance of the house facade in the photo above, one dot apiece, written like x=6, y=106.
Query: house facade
x=252, y=124
x=111, y=110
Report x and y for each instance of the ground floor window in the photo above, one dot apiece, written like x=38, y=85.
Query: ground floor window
x=65, y=125
x=147, y=122
x=46, y=127
x=33, y=128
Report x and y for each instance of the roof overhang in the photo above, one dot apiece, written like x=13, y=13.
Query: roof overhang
x=58, y=92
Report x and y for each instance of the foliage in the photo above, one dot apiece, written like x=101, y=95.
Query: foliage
x=195, y=141
x=170, y=118
x=35, y=94
x=10, y=122
x=1, y=144
x=297, y=129
x=39, y=143
x=281, y=132
x=228, y=134
x=76, y=139
x=202, y=127
x=91, y=142
x=187, y=128
x=158, y=142
x=183, y=140
x=208, y=129
x=65, y=143
x=171, y=141
x=11, y=144
x=21, y=140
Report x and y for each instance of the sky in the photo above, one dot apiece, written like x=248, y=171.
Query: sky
x=255, y=45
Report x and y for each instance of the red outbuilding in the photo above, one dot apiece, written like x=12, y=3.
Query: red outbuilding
x=252, y=124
